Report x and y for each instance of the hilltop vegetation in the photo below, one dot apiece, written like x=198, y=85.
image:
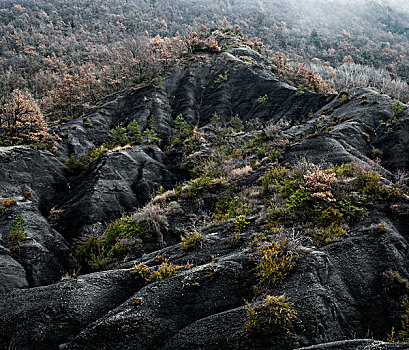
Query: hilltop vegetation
x=68, y=55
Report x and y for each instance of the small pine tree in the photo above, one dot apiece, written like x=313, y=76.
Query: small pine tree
x=119, y=136
x=215, y=120
x=236, y=123
x=150, y=136
x=180, y=123
x=152, y=122
x=134, y=132
x=17, y=233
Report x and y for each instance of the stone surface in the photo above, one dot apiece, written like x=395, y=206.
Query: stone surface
x=338, y=290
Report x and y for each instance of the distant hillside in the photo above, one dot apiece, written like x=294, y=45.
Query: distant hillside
x=49, y=48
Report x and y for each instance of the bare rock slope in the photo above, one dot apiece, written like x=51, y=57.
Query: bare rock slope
x=345, y=288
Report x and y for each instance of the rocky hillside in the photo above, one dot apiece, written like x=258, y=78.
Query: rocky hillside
x=243, y=214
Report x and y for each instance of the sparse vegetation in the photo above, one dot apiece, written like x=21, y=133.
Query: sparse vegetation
x=190, y=240
x=17, y=235
x=275, y=313
x=163, y=271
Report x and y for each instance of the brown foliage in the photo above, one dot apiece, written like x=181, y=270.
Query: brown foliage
x=21, y=120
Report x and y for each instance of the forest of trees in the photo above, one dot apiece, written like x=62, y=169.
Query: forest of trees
x=65, y=55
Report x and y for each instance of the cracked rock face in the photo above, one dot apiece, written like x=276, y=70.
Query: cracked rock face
x=338, y=289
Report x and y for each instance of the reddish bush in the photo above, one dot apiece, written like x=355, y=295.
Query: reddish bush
x=21, y=120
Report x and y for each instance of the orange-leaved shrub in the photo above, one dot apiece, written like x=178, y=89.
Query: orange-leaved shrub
x=21, y=120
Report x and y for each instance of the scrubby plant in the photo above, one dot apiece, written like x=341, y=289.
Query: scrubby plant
x=351, y=206
x=272, y=177
x=318, y=183
x=274, y=263
x=343, y=98
x=124, y=227
x=263, y=99
x=134, y=132
x=229, y=206
x=150, y=136
x=158, y=84
x=81, y=164
x=182, y=130
x=368, y=181
x=151, y=220
x=329, y=217
x=190, y=240
x=240, y=224
x=163, y=271
x=17, y=235
x=198, y=186
x=394, y=284
x=118, y=135
x=21, y=120
x=215, y=120
x=328, y=234
x=88, y=123
x=403, y=335
x=236, y=123
x=299, y=199
x=397, y=109
x=275, y=312
x=9, y=202
x=221, y=79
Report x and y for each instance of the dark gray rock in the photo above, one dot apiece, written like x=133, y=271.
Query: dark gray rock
x=44, y=317
x=338, y=290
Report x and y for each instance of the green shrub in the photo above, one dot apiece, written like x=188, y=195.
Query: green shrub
x=158, y=84
x=17, y=235
x=327, y=235
x=397, y=109
x=81, y=164
x=122, y=136
x=229, y=206
x=150, y=136
x=263, y=99
x=134, y=132
x=330, y=216
x=198, y=186
x=272, y=177
x=274, y=263
x=165, y=270
x=299, y=199
x=215, y=120
x=368, y=182
x=221, y=79
x=279, y=216
x=118, y=135
x=124, y=227
x=274, y=313
x=351, y=206
x=240, y=224
x=344, y=98
x=88, y=123
x=236, y=123
x=404, y=332
x=190, y=240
